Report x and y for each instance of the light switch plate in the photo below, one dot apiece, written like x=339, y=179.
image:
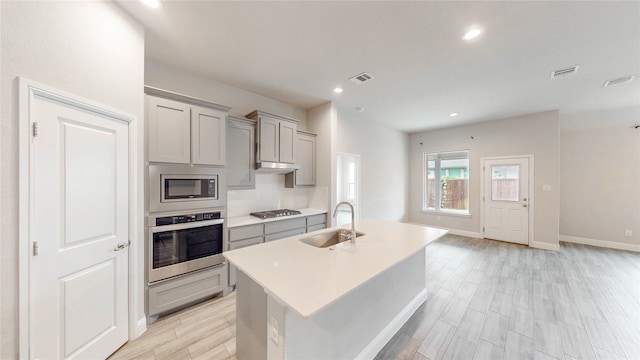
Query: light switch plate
x=274, y=330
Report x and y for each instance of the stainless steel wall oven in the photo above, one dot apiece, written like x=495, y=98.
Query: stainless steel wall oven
x=179, y=244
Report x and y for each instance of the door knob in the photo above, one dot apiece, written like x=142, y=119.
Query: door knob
x=121, y=245
x=524, y=205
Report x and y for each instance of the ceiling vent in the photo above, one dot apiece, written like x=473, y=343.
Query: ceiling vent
x=565, y=72
x=618, y=81
x=361, y=78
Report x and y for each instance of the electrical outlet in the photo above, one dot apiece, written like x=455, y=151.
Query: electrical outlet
x=628, y=233
x=274, y=330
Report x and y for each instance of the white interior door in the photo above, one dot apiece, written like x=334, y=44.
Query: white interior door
x=506, y=199
x=78, y=287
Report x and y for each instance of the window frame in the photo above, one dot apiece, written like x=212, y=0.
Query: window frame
x=425, y=173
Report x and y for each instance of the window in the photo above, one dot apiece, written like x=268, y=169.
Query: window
x=446, y=182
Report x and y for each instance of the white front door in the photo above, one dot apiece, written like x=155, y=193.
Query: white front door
x=78, y=230
x=506, y=199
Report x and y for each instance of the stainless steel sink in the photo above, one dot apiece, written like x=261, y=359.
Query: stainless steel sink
x=329, y=238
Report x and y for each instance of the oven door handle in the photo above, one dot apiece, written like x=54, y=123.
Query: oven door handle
x=191, y=225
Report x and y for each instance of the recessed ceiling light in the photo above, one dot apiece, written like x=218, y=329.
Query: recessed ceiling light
x=471, y=34
x=453, y=114
x=337, y=90
x=151, y=3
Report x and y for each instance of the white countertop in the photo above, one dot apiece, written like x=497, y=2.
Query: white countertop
x=307, y=279
x=251, y=220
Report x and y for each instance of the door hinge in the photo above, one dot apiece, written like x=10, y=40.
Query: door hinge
x=483, y=230
x=34, y=129
x=36, y=248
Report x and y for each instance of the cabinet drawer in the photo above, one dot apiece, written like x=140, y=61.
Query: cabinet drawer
x=284, y=234
x=285, y=225
x=186, y=289
x=316, y=219
x=246, y=242
x=245, y=232
x=316, y=227
x=237, y=245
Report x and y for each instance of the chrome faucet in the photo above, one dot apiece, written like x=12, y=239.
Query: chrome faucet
x=352, y=234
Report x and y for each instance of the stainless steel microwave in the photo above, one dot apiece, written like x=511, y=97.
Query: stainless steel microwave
x=185, y=187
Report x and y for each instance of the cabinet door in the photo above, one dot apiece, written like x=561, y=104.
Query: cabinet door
x=207, y=136
x=287, y=142
x=306, y=156
x=240, y=155
x=169, y=131
x=269, y=134
x=238, y=245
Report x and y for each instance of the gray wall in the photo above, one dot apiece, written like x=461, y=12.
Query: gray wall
x=91, y=49
x=600, y=177
x=383, y=165
x=241, y=101
x=536, y=134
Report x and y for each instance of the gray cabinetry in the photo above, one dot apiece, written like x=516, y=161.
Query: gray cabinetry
x=184, y=130
x=241, y=145
x=306, y=158
x=276, y=137
x=316, y=222
x=284, y=228
x=168, y=295
x=240, y=237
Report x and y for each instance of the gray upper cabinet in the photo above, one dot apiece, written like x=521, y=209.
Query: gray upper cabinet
x=306, y=157
x=241, y=145
x=184, y=130
x=169, y=131
x=276, y=137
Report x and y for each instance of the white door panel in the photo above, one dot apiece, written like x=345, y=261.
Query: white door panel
x=79, y=186
x=506, y=199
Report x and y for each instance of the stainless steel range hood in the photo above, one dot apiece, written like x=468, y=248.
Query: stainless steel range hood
x=276, y=168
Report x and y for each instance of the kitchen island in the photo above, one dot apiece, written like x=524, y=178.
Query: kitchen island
x=297, y=301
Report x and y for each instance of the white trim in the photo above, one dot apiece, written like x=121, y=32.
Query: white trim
x=600, y=243
x=27, y=89
x=445, y=213
x=544, y=245
x=373, y=348
x=532, y=189
x=140, y=327
x=471, y=234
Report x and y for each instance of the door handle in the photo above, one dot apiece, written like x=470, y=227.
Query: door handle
x=524, y=205
x=121, y=245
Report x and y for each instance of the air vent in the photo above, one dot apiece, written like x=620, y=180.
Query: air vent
x=565, y=72
x=618, y=81
x=361, y=78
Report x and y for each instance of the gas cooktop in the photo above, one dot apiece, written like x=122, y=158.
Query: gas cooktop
x=274, y=213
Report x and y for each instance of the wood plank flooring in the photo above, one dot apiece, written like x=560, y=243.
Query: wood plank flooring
x=486, y=300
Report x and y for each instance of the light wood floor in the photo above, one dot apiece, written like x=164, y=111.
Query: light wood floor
x=487, y=300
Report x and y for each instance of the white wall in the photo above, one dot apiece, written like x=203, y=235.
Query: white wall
x=600, y=177
x=92, y=49
x=383, y=165
x=322, y=121
x=242, y=102
x=536, y=134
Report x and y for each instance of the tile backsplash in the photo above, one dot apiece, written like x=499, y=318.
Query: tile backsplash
x=271, y=194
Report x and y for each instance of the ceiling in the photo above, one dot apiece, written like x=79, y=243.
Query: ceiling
x=299, y=51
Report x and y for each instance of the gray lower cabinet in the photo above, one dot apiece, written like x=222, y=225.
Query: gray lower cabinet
x=240, y=237
x=284, y=228
x=241, y=150
x=173, y=293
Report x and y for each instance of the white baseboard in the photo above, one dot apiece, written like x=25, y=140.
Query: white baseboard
x=470, y=234
x=374, y=347
x=600, y=243
x=141, y=327
x=544, y=245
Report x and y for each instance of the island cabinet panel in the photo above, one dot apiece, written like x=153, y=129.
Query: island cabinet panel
x=168, y=131
x=241, y=149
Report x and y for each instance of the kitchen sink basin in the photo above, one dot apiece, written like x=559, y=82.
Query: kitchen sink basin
x=329, y=238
